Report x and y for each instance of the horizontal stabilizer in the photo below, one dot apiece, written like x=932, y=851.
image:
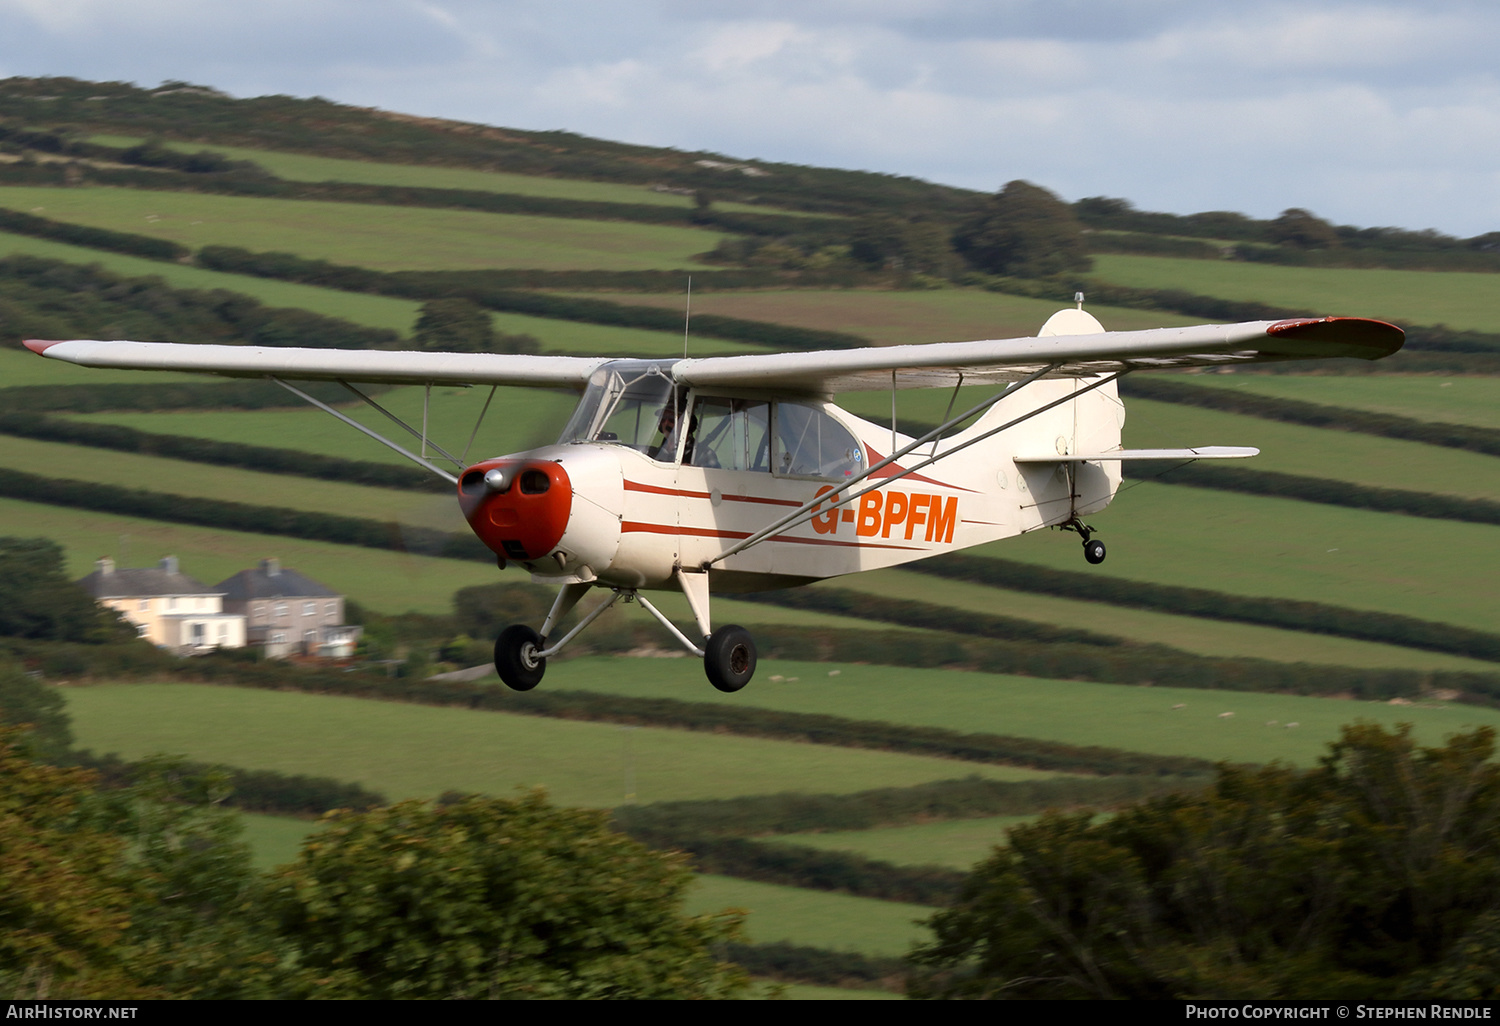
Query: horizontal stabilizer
x=1203, y=452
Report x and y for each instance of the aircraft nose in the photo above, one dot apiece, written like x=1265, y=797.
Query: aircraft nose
x=519, y=508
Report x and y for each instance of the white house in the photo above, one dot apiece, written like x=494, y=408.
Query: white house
x=168, y=608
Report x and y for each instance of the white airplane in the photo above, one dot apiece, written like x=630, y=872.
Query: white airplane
x=739, y=473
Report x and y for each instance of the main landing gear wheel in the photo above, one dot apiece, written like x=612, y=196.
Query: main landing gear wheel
x=729, y=658
x=516, y=658
x=1093, y=551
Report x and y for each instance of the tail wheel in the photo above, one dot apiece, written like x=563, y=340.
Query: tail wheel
x=516, y=658
x=729, y=658
x=1093, y=551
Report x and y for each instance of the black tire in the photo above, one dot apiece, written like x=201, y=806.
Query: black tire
x=729, y=658
x=1093, y=551
x=516, y=658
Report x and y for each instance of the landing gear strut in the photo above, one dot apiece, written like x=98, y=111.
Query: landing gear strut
x=1093, y=551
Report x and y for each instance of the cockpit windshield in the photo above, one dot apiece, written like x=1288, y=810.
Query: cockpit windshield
x=632, y=403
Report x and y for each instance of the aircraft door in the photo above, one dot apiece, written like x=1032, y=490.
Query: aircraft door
x=726, y=459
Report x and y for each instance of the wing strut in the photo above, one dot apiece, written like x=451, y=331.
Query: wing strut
x=805, y=511
x=439, y=471
x=421, y=435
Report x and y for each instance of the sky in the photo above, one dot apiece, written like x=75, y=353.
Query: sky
x=1366, y=113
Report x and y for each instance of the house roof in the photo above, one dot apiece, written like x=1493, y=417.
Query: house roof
x=271, y=580
x=165, y=579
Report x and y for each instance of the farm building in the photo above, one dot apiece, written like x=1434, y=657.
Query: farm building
x=168, y=608
x=288, y=613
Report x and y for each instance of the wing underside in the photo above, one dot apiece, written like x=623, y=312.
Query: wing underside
x=938, y=364
x=366, y=365
x=945, y=363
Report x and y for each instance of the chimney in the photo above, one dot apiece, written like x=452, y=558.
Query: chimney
x=104, y=565
x=169, y=564
x=272, y=567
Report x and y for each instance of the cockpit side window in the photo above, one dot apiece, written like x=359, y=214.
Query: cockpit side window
x=630, y=404
x=730, y=434
x=810, y=443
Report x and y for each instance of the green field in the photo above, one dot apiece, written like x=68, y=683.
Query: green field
x=519, y=418
x=1314, y=452
x=954, y=844
x=380, y=237
x=204, y=480
x=839, y=922
x=300, y=167
x=1250, y=545
x=1139, y=719
x=414, y=751
x=398, y=315
x=388, y=582
x=1469, y=301
x=275, y=840
x=22, y=367
x=893, y=317
x=1445, y=400
x=1191, y=634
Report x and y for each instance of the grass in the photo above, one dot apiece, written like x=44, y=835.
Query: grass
x=1462, y=300
x=890, y=317
x=390, y=582
x=519, y=418
x=1140, y=719
x=179, y=477
x=413, y=751
x=275, y=840
x=23, y=367
x=1249, y=545
x=1315, y=452
x=1454, y=400
x=1191, y=634
x=299, y=167
x=398, y=315
x=817, y=918
x=954, y=844
x=380, y=237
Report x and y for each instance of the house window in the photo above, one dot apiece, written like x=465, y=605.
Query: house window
x=260, y=613
x=309, y=609
x=331, y=609
x=172, y=603
x=144, y=606
x=281, y=608
x=278, y=639
x=142, y=630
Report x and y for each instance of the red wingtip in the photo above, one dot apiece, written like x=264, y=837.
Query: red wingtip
x=37, y=345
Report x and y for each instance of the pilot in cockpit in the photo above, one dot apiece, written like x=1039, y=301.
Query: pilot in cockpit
x=666, y=423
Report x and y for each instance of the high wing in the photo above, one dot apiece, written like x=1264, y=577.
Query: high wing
x=365, y=365
x=879, y=367
x=943, y=363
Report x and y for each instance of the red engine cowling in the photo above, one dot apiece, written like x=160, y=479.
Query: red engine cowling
x=518, y=507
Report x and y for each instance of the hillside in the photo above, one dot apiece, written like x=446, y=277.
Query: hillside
x=1346, y=574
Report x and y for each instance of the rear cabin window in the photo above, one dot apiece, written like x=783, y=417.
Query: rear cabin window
x=810, y=443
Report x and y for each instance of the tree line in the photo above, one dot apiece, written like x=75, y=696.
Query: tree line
x=1371, y=877
x=496, y=290
x=41, y=298
x=321, y=127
